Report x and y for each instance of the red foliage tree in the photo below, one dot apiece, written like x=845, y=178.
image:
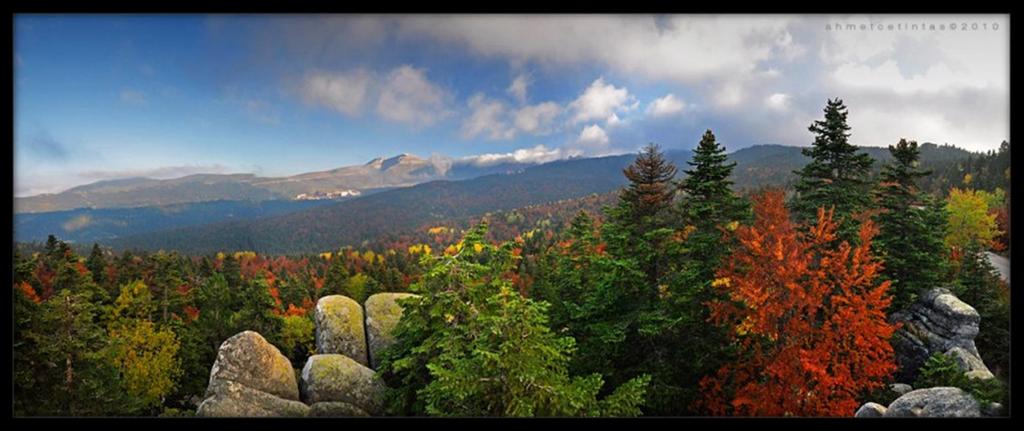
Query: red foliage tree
x=809, y=321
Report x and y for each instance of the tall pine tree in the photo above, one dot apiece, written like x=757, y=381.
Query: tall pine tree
x=709, y=204
x=638, y=225
x=911, y=228
x=837, y=174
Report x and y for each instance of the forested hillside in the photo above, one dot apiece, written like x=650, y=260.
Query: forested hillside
x=557, y=291
x=398, y=211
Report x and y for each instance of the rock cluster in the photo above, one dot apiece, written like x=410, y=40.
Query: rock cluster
x=938, y=322
x=932, y=402
x=251, y=378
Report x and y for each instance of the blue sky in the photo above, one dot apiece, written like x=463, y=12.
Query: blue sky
x=102, y=97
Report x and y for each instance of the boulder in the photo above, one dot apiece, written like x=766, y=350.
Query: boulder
x=336, y=409
x=382, y=314
x=937, y=322
x=870, y=410
x=339, y=328
x=900, y=388
x=227, y=398
x=339, y=378
x=935, y=402
x=970, y=363
x=248, y=359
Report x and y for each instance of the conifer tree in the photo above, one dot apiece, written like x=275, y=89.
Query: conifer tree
x=911, y=228
x=709, y=204
x=96, y=263
x=638, y=225
x=649, y=192
x=836, y=176
x=471, y=345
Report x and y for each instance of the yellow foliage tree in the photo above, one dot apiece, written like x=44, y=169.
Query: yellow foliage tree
x=145, y=356
x=969, y=219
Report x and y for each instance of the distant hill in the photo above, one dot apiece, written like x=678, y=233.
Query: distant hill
x=368, y=218
x=400, y=171
x=85, y=225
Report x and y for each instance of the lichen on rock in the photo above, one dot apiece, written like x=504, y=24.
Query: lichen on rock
x=382, y=314
x=339, y=328
x=338, y=378
x=935, y=402
x=251, y=378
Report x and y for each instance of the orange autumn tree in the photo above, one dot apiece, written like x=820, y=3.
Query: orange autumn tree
x=809, y=321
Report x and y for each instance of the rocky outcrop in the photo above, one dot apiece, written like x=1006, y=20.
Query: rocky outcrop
x=934, y=402
x=339, y=328
x=251, y=378
x=938, y=322
x=338, y=378
x=382, y=314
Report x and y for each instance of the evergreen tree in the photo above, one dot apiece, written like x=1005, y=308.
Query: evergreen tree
x=649, y=192
x=638, y=226
x=978, y=283
x=472, y=346
x=836, y=176
x=911, y=228
x=337, y=282
x=709, y=205
x=96, y=264
x=75, y=377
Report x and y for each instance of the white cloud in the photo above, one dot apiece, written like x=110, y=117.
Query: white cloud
x=409, y=97
x=344, y=92
x=665, y=106
x=537, y=118
x=599, y=101
x=487, y=118
x=133, y=97
x=778, y=101
x=729, y=95
x=518, y=88
x=681, y=48
x=593, y=138
x=537, y=154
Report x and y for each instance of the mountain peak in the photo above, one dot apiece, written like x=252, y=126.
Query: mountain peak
x=401, y=159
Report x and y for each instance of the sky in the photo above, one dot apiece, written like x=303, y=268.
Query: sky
x=102, y=97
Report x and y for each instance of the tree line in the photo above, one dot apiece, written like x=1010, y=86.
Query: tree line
x=681, y=297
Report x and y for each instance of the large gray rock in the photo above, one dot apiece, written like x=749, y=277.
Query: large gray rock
x=870, y=410
x=970, y=363
x=231, y=399
x=339, y=328
x=336, y=409
x=248, y=359
x=339, y=378
x=936, y=323
x=382, y=314
x=935, y=402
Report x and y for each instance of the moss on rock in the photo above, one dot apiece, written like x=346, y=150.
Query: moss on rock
x=339, y=328
x=382, y=314
x=338, y=378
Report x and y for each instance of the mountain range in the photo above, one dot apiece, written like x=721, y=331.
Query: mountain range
x=380, y=173
x=208, y=213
